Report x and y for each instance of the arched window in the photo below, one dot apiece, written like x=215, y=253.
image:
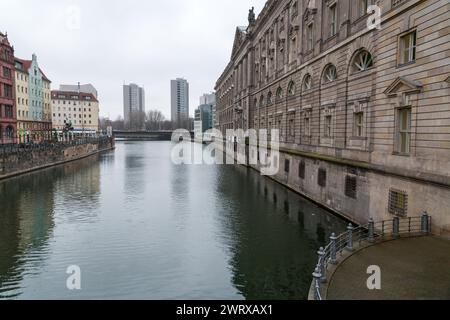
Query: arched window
x=291, y=89
x=279, y=93
x=362, y=61
x=307, y=82
x=269, y=98
x=261, y=102
x=330, y=74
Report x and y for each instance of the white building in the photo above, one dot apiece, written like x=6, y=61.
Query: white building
x=81, y=110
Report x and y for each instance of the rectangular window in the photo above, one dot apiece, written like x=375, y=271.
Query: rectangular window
x=309, y=37
x=398, y=202
x=359, y=124
x=291, y=128
x=8, y=111
x=287, y=166
x=363, y=6
x=322, y=178
x=302, y=169
x=328, y=128
x=7, y=91
x=408, y=47
x=333, y=20
x=307, y=127
x=6, y=73
x=404, y=131
x=350, y=187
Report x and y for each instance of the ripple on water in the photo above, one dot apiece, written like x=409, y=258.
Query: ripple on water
x=142, y=228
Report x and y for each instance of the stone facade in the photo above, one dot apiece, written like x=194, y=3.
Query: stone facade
x=363, y=112
x=8, y=120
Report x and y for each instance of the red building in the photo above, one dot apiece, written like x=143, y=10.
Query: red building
x=8, y=115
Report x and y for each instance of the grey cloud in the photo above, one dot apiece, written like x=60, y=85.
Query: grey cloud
x=146, y=42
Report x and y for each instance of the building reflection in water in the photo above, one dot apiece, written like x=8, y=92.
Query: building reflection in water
x=273, y=242
x=134, y=173
x=27, y=216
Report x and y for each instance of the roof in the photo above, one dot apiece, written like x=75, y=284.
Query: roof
x=26, y=66
x=4, y=39
x=70, y=95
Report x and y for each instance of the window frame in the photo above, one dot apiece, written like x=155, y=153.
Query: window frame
x=327, y=72
x=365, y=65
x=412, y=49
x=358, y=125
x=328, y=123
x=401, y=131
x=332, y=19
x=307, y=79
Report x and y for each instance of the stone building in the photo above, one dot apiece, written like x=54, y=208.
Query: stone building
x=81, y=110
x=363, y=112
x=34, y=113
x=8, y=120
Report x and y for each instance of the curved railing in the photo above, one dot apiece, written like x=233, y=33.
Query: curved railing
x=371, y=233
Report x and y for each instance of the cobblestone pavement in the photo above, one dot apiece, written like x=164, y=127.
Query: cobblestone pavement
x=411, y=269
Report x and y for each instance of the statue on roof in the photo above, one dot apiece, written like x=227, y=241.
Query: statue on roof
x=251, y=16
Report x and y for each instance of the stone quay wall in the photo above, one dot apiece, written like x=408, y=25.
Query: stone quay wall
x=16, y=160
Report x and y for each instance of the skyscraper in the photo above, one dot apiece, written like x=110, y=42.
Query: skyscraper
x=134, y=106
x=179, y=90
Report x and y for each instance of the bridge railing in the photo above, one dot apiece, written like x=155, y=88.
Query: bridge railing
x=370, y=233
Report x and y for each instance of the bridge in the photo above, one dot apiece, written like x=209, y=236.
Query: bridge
x=160, y=135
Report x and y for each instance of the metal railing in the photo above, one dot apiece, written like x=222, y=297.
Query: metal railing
x=370, y=233
x=10, y=149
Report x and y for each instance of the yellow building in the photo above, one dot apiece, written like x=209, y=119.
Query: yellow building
x=34, y=117
x=47, y=95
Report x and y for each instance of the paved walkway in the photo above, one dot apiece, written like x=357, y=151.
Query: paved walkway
x=411, y=269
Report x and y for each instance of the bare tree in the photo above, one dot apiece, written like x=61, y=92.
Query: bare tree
x=118, y=124
x=154, y=120
x=137, y=121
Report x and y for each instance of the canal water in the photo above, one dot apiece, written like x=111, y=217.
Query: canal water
x=140, y=227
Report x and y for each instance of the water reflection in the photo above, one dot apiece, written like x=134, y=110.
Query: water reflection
x=27, y=217
x=273, y=241
x=143, y=228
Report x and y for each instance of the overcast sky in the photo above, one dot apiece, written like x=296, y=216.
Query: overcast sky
x=146, y=42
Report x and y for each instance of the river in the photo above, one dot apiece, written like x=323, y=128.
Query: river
x=140, y=227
